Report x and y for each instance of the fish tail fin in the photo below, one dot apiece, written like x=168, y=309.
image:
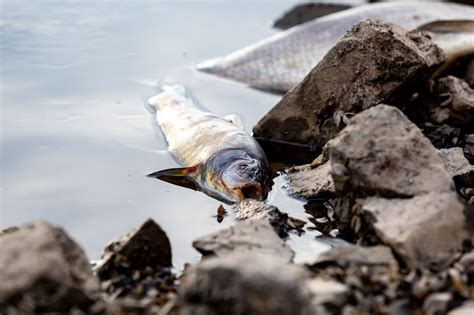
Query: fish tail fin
x=164, y=96
x=184, y=177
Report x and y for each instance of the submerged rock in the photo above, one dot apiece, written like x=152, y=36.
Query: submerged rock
x=309, y=182
x=249, y=236
x=355, y=74
x=245, y=284
x=43, y=270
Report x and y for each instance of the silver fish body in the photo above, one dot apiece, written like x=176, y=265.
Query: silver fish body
x=282, y=60
x=219, y=157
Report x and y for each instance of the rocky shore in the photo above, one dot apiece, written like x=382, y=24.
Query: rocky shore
x=389, y=175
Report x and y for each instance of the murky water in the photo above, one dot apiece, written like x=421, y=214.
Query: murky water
x=76, y=140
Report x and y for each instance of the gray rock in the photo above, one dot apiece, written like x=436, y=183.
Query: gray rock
x=467, y=263
x=426, y=230
x=382, y=153
x=311, y=182
x=437, y=303
x=247, y=284
x=147, y=246
x=43, y=269
x=458, y=166
x=254, y=209
x=457, y=106
x=467, y=308
x=455, y=162
x=393, y=185
x=281, y=222
x=355, y=74
x=249, y=236
x=328, y=293
x=356, y=256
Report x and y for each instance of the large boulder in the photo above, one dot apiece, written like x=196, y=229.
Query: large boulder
x=375, y=62
x=245, y=283
x=426, y=230
x=249, y=236
x=382, y=153
x=43, y=270
x=393, y=187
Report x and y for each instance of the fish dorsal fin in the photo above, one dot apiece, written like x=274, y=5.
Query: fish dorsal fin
x=449, y=26
x=235, y=119
x=184, y=177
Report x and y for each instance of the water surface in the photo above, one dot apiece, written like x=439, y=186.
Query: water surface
x=76, y=140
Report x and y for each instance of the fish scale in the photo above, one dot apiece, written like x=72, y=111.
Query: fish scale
x=282, y=60
x=192, y=134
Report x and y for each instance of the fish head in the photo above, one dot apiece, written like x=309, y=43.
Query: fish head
x=236, y=176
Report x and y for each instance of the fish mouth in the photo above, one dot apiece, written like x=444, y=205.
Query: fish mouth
x=250, y=191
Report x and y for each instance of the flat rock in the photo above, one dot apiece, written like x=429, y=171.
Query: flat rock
x=327, y=293
x=43, y=270
x=375, y=62
x=308, y=182
x=245, y=283
x=281, y=222
x=467, y=308
x=437, y=303
x=458, y=166
x=353, y=255
x=426, y=230
x=147, y=246
x=382, y=153
x=456, y=102
x=249, y=236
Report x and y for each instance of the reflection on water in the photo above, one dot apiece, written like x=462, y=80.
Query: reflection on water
x=76, y=140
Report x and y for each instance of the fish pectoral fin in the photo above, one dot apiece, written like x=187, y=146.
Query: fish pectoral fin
x=185, y=177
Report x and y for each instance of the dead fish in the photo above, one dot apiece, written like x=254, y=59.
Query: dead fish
x=282, y=60
x=220, y=158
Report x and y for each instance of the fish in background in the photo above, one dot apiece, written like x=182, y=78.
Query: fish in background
x=219, y=157
x=281, y=61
